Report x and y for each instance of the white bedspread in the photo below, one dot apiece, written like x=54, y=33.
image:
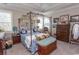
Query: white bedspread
x=31, y=44
x=28, y=40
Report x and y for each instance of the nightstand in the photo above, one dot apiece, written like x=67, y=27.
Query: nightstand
x=2, y=47
x=16, y=39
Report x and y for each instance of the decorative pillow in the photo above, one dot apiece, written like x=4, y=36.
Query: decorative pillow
x=40, y=37
x=46, y=35
x=23, y=31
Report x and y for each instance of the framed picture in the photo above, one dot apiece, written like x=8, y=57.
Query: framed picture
x=54, y=25
x=64, y=19
x=74, y=18
x=38, y=21
x=55, y=20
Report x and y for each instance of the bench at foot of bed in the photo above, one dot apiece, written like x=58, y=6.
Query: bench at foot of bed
x=47, y=46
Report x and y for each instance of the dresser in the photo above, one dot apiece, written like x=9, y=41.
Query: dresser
x=62, y=32
x=16, y=39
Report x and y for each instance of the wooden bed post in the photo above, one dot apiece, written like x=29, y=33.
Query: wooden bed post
x=30, y=13
x=19, y=24
x=50, y=25
x=43, y=22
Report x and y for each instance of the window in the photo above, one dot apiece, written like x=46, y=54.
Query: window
x=5, y=21
x=46, y=22
x=40, y=22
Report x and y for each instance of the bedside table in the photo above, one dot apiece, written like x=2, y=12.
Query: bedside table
x=2, y=47
x=16, y=39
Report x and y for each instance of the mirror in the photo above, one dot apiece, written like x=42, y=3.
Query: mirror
x=75, y=31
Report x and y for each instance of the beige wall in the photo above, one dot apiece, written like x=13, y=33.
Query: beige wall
x=71, y=11
x=15, y=17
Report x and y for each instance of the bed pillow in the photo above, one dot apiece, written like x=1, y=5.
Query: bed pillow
x=23, y=31
x=40, y=37
x=46, y=35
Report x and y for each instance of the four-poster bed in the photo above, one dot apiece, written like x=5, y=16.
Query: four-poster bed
x=34, y=32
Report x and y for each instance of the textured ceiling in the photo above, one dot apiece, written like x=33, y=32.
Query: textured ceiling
x=38, y=7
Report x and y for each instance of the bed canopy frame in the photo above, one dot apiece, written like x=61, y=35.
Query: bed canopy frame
x=29, y=15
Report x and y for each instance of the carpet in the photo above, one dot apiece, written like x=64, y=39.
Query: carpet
x=63, y=48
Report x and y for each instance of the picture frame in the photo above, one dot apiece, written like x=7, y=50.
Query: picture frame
x=54, y=25
x=38, y=21
x=64, y=19
x=55, y=20
x=74, y=18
